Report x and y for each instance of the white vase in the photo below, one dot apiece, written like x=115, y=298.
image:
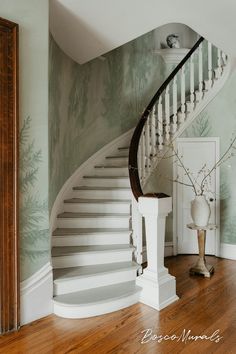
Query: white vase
x=200, y=210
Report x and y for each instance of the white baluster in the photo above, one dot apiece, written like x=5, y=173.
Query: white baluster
x=210, y=62
x=174, y=125
x=140, y=161
x=137, y=233
x=153, y=131
x=191, y=106
x=183, y=107
x=147, y=144
x=224, y=58
x=218, y=71
x=143, y=157
x=208, y=83
x=199, y=94
x=167, y=114
x=160, y=124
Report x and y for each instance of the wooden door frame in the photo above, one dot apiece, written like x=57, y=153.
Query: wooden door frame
x=175, y=202
x=9, y=206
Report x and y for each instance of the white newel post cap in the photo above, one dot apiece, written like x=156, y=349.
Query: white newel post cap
x=149, y=205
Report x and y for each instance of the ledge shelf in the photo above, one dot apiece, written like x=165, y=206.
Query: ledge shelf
x=172, y=55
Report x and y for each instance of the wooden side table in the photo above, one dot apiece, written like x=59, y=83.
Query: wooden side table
x=201, y=267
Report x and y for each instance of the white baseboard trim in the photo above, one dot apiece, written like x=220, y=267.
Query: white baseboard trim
x=228, y=251
x=167, y=252
x=36, y=295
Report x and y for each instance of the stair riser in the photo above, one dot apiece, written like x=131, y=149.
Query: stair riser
x=73, y=285
x=106, y=182
x=121, y=171
x=89, y=240
x=121, y=161
x=102, y=194
x=90, y=222
x=84, y=259
x=97, y=208
x=95, y=309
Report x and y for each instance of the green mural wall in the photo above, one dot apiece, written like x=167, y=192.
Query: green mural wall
x=32, y=17
x=91, y=104
x=219, y=120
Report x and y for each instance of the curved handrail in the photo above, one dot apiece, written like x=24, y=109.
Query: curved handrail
x=133, y=151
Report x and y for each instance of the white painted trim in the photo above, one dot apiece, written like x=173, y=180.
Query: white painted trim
x=227, y=251
x=168, y=251
x=29, y=284
x=83, y=169
x=36, y=295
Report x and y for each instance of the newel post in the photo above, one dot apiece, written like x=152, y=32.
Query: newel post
x=158, y=286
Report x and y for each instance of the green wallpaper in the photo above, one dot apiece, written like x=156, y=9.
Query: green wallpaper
x=92, y=104
x=219, y=120
x=34, y=230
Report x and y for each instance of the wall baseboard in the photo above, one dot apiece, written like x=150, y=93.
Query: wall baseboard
x=36, y=295
x=228, y=251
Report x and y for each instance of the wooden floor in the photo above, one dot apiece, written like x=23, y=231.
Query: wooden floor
x=205, y=306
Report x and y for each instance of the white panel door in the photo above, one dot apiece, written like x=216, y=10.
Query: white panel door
x=195, y=152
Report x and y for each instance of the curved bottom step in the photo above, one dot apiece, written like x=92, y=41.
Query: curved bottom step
x=99, y=301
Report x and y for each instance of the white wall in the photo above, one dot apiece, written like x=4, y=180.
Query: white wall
x=32, y=17
x=96, y=27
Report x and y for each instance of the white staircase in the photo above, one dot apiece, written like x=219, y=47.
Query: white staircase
x=92, y=256
x=93, y=253
x=186, y=92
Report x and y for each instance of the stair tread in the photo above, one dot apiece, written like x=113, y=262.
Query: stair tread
x=91, y=270
x=111, y=166
x=106, y=177
x=82, y=231
x=117, y=157
x=72, y=215
x=70, y=250
x=98, y=295
x=99, y=201
x=93, y=188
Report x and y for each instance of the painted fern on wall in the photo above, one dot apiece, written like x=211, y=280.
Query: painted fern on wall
x=200, y=127
x=33, y=211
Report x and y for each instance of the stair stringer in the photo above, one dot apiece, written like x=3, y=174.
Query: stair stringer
x=200, y=106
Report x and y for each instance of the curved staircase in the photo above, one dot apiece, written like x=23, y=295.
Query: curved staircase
x=93, y=256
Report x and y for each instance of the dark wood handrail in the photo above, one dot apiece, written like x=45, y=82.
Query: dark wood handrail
x=133, y=150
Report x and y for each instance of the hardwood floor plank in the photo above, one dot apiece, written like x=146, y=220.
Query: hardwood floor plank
x=205, y=306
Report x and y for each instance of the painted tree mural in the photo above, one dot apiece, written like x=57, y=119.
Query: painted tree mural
x=33, y=211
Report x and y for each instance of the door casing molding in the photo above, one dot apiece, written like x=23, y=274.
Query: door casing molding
x=216, y=140
x=9, y=205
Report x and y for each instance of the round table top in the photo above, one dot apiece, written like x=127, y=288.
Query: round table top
x=192, y=226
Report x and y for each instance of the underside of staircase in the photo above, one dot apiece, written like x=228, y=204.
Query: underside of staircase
x=92, y=255
x=93, y=258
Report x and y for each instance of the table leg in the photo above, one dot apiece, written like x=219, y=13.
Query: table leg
x=201, y=267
